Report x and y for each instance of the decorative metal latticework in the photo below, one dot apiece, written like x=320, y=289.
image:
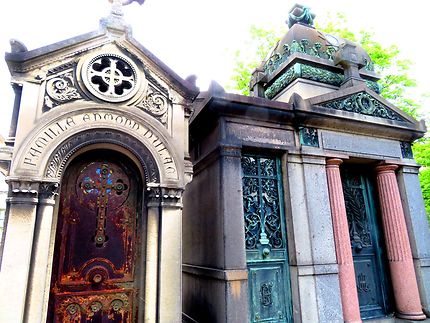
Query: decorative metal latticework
x=358, y=221
x=261, y=180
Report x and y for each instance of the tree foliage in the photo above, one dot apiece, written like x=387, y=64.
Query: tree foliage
x=248, y=58
x=421, y=150
x=395, y=81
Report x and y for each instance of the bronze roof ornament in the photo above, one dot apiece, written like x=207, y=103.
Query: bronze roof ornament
x=300, y=14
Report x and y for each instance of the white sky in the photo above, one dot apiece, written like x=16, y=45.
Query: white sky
x=199, y=36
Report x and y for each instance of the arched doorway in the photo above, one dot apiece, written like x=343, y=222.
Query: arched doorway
x=97, y=276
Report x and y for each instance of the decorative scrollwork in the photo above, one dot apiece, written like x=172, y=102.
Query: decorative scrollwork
x=48, y=190
x=406, y=149
x=73, y=308
x=363, y=103
x=61, y=89
x=156, y=104
x=261, y=202
x=117, y=304
x=266, y=293
x=309, y=137
x=358, y=221
x=303, y=71
x=362, y=285
x=96, y=306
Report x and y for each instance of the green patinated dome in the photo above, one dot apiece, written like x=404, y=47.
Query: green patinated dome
x=303, y=38
x=312, y=53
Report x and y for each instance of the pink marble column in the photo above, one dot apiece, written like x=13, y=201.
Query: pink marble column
x=348, y=288
x=406, y=295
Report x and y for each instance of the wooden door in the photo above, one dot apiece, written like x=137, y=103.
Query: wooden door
x=265, y=241
x=97, y=242
x=366, y=242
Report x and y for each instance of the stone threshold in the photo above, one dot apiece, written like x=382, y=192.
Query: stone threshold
x=393, y=320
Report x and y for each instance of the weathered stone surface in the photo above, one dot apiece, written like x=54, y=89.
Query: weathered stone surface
x=251, y=134
x=351, y=143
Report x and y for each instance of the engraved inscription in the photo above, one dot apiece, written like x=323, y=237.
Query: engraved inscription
x=49, y=133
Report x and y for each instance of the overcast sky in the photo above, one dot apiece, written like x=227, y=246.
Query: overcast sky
x=199, y=36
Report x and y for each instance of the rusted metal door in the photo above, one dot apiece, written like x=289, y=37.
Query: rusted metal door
x=97, y=243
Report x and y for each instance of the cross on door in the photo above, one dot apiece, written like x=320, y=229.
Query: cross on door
x=102, y=187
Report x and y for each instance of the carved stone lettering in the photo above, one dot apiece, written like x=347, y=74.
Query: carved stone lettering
x=46, y=135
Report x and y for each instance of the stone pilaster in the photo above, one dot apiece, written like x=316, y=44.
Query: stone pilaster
x=314, y=269
x=151, y=261
x=17, y=249
x=418, y=229
x=407, y=298
x=43, y=250
x=170, y=256
x=348, y=289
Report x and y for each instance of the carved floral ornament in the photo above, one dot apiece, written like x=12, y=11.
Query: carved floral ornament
x=110, y=77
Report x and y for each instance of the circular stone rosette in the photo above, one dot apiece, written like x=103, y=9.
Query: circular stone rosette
x=111, y=77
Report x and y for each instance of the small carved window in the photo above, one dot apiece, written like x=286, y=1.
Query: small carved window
x=111, y=77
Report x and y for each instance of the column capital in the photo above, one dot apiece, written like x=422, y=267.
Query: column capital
x=386, y=168
x=333, y=162
x=48, y=191
x=167, y=196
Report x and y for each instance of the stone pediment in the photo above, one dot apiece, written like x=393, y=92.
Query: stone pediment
x=359, y=102
x=104, y=67
x=57, y=56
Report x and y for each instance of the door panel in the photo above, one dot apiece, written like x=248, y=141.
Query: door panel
x=267, y=290
x=366, y=243
x=97, y=242
x=265, y=241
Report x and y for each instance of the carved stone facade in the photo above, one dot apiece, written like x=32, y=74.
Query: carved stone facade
x=116, y=116
x=300, y=203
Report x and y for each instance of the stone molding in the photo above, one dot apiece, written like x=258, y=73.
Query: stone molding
x=214, y=273
x=126, y=128
x=23, y=191
x=63, y=153
x=312, y=270
x=164, y=196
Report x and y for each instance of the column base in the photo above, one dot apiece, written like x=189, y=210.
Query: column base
x=411, y=316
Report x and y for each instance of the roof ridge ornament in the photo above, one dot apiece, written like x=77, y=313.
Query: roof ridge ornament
x=115, y=22
x=300, y=14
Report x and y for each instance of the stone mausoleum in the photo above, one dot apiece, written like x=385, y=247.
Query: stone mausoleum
x=134, y=197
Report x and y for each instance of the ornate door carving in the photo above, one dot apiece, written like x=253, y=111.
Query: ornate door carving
x=265, y=241
x=97, y=242
x=366, y=242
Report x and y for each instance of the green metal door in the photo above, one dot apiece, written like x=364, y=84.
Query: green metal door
x=366, y=242
x=265, y=239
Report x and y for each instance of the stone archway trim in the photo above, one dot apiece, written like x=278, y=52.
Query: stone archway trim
x=35, y=155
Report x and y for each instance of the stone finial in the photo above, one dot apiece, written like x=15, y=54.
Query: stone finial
x=215, y=88
x=300, y=14
x=115, y=23
x=17, y=46
x=351, y=60
x=192, y=79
